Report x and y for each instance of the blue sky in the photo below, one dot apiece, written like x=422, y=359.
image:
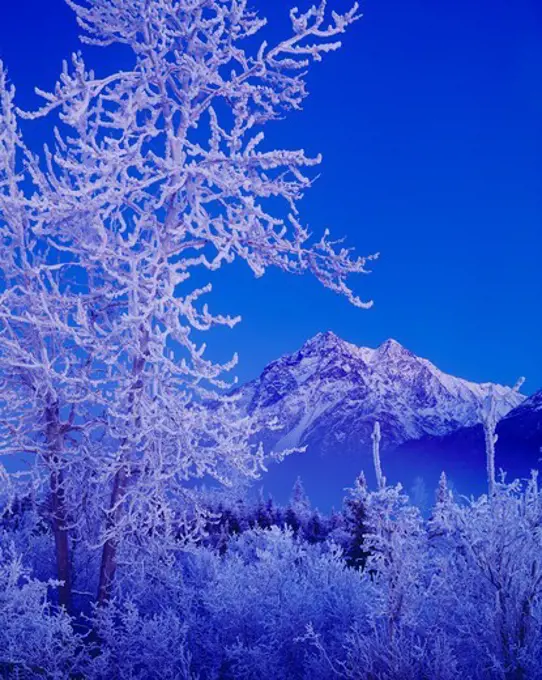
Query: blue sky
x=430, y=124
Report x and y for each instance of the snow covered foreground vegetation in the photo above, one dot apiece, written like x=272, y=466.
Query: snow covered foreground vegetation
x=374, y=591
x=112, y=564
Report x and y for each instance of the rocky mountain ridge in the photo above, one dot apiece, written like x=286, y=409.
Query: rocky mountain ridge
x=327, y=395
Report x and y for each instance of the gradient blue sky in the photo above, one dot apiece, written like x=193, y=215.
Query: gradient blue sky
x=430, y=124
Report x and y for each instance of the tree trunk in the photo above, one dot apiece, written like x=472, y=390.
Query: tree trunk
x=490, y=437
x=59, y=518
x=109, y=553
x=108, y=565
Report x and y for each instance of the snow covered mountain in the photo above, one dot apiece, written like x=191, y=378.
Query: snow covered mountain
x=328, y=394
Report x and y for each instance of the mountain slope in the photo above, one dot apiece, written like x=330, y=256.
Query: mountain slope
x=524, y=423
x=462, y=452
x=329, y=393
x=327, y=396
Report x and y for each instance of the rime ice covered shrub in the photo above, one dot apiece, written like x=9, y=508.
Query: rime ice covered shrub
x=138, y=646
x=397, y=639
x=487, y=577
x=268, y=589
x=457, y=595
x=35, y=638
x=238, y=615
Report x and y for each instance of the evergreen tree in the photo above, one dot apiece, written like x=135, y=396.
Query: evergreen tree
x=316, y=530
x=355, y=514
x=298, y=510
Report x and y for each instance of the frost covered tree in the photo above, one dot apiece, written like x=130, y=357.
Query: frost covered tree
x=299, y=509
x=489, y=418
x=488, y=577
x=355, y=524
x=488, y=413
x=376, y=437
x=46, y=372
x=158, y=174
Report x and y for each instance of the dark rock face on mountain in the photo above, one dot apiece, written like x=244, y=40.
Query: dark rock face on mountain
x=328, y=395
x=523, y=425
x=462, y=453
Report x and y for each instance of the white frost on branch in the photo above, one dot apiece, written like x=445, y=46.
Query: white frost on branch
x=158, y=173
x=376, y=436
x=490, y=418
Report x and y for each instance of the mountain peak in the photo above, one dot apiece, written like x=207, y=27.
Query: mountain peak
x=327, y=344
x=325, y=339
x=329, y=340
x=330, y=392
x=392, y=347
x=391, y=343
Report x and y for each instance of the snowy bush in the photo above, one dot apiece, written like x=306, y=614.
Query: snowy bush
x=456, y=595
x=36, y=640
